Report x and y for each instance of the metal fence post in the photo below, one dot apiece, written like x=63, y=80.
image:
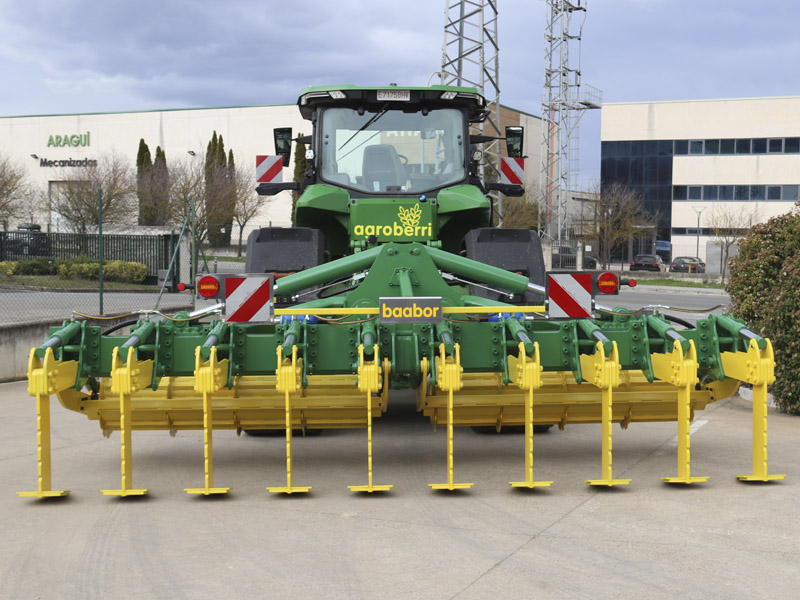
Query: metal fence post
x=100, y=242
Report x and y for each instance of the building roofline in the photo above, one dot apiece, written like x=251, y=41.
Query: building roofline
x=166, y=110
x=136, y=112
x=702, y=100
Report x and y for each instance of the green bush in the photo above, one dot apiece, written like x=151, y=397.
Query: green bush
x=113, y=270
x=36, y=266
x=765, y=290
x=8, y=267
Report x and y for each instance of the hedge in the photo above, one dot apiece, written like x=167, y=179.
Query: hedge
x=765, y=291
x=77, y=268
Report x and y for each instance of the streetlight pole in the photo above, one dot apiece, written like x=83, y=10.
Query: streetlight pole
x=699, y=212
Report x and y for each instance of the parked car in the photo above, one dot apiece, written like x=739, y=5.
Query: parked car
x=589, y=262
x=647, y=262
x=27, y=240
x=565, y=257
x=687, y=264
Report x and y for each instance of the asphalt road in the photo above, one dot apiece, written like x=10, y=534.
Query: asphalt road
x=720, y=539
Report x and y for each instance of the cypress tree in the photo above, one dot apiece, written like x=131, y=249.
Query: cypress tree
x=301, y=165
x=160, y=188
x=144, y=178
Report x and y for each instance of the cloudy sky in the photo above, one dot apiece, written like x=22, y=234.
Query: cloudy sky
x=68, y=56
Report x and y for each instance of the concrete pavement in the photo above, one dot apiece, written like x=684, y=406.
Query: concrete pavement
x=721, y=539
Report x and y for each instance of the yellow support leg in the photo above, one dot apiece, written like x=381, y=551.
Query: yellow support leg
x=207, y=379
x=756, y=367
x=527, y=374
x=46, y=377
x=288, y=381
x=369, y=382
x=125, y=380
x=680, y=369
x=604, y=374
x=448, y=373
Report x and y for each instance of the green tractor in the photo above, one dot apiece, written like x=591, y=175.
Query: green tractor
x=394, y=278
x=394, y=165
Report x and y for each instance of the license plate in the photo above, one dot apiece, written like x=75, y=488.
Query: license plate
x=394, y=95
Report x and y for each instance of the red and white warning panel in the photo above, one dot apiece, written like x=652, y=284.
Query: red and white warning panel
x=512, y=170
x=269, y=169
x=248, y=299
x=569, y=295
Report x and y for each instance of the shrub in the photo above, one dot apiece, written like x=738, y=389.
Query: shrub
x=36, y=266
x=8, y=268
x=765, y=291
x=113, y=270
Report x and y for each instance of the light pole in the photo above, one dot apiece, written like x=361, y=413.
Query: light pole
x=699, y=212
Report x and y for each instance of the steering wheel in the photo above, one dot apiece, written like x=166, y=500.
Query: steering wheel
x=403, y=158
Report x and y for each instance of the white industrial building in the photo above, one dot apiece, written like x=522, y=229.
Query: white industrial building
x=50, y=146
x=706, y=161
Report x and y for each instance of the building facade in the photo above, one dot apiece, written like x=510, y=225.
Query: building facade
x=704, y=164
x=52, y=146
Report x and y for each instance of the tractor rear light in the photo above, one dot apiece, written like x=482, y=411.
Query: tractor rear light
x=182, y=287
x=208, y=286
x=608, y=283
x=448, y=95
x=628, y=282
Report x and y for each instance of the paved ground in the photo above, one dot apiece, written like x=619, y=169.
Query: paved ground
x=721, y=539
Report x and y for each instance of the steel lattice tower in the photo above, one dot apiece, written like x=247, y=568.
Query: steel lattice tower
x=471, y=57
x=563, y=104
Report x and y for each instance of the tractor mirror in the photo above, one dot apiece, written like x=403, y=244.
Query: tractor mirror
x=514, y=139
x=283, y=143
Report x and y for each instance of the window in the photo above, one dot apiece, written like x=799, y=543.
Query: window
x=742, y=146
x=681, y=147
x=791, y=145
x=665, y=148
x=726, y=192
x=773, y=192
x=758, y=193
x=710, y=192
x=679, y=192
x=790, y=193
x=726, y=146
x=760, y=146
x=712, y=146
x=695, y=192
x=741, y=192
x=651, y=148
x=696, y=147
x=775, y=145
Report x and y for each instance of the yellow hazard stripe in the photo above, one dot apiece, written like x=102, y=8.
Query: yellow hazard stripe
x=447, y=310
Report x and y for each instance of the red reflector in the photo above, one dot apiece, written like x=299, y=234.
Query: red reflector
x=632, y=283
x=181, y=287
x=208, y=286
x=607, y=283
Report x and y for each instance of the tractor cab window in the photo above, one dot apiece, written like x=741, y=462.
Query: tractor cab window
x=391, y=152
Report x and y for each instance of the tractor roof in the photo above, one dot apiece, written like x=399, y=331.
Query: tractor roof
x=374, y=98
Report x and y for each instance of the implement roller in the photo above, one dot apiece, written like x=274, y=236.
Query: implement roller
x=394, y=279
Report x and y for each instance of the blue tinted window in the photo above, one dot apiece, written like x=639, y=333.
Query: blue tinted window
x=665, y=148
x=775, y=145
x=741, y=192
x=651, y=170
x=726, y=192
x=773, y=192
x=790, y=193
x=791, y=145
x=665, y=170
x=637, y=148
x=681, y=147
x=758, y=192
x=696, y=147
x=636, y=173
x=679, y=192
x=651, y=148
x=695, y=192
x=712, y=146
x=726, y=146
x=710, y=192
x=742, y=146
x=760, y=146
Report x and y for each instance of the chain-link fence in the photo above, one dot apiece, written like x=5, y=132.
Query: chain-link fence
x=49, y=276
